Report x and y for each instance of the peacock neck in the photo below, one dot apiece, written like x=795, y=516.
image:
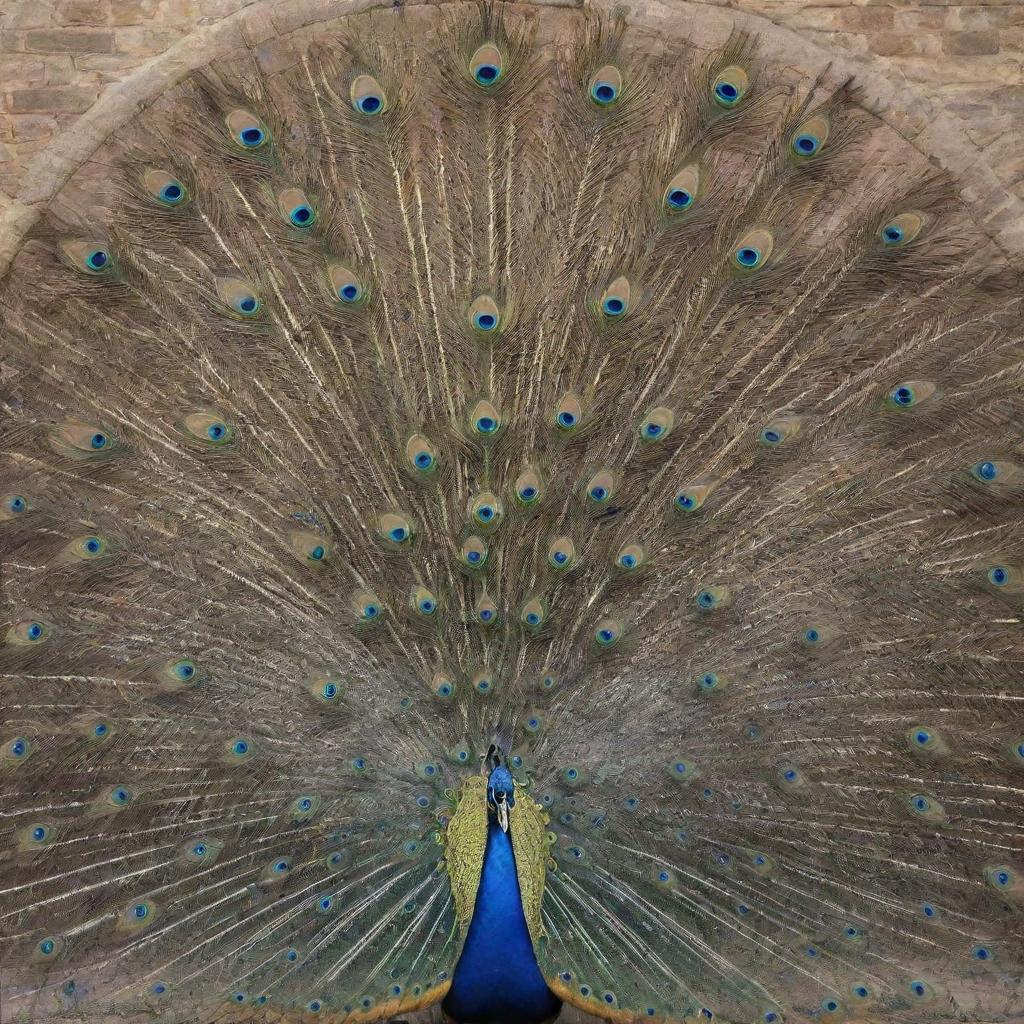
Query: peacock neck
x=497, y=979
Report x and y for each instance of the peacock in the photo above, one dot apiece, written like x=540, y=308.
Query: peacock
x=503, y=521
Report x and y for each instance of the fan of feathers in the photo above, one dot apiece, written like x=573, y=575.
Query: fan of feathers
x=507, y=387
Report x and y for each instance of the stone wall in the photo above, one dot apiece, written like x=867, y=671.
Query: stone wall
x=58, y=56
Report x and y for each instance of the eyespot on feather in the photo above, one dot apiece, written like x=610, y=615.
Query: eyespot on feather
x=13, y=506
x=239, y=296
x=901, y=229
x=568, y=412
x=713, y=598
x=692, y=497
x=86, y=548
x=528, y=488
x=310, y=548
x=423, y=602
x=486, y=65
x=247, y=131
x=367, y=607
x=345, y=286
x=533, y=614
x=730, y=86
x=473, y=552
x=780, y=430
x=210, y=428
x=752, y=251
x=420, y=455
x=294, y=206
x=179, y=673
x=28, y=633
x=164, y=188
x=89, y=256
x=486, y=510
x=395, y=529
x=605, y=85
x=486, y=611
x=561, y=553
x=608, y=632
x=484, y=420
x=657, y=424
x=682, y=190
x=79, y=440
x=909, y=394
x=600, y=488
x=367, y=96
x=630, y=558
x=809, y=138
x=615, y=299
x=484, y=315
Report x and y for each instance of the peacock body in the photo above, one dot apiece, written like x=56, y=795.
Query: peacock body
x=498, y=516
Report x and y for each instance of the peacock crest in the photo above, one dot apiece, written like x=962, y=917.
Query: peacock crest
x=481, y=391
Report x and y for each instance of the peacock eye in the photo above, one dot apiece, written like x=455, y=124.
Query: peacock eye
x=606, y=85
x=302, y=216
x=806, y=144
x=486, y=65
x=172, y=193
x=748, y=256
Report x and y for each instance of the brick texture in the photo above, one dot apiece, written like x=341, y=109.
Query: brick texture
x=56, y=57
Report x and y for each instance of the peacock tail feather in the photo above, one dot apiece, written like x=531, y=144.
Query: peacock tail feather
x=655, y=418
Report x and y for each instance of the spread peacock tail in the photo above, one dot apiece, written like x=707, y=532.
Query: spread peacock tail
x=472, y=399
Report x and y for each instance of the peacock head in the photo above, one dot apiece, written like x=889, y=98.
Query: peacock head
x=501, y=794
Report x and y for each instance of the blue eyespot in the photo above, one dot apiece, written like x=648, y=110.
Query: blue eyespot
x=302, y=216
x=727, y=93
x=861, y=991
x=359, y=763
x=398, y=534
x=598, y=493
x=487, y=74
x=892, y=234
x=708, y=681
x=305, y=804
x=292, y=955
x=981, y=953
x=427, y=606
x=812, y=636
x=240, y=747
x=486, y=425
x=172, y=193
x=806, y=144
x=252, y=137
x=748, y=256
x=330, y=690
x=141, y=911
x=16, y=504
x=239, y=997
x=922, y=737
x=830, y=1005
x=39, y=833
x=318, y=553
x=566, y=419
x=654, y=430
x=199, y=849
x=903, y=395
x=349, y=293
x=998, y=576
x=627, y=561
x=120, y=796
x=101, y=729
x=47, y=946
x=485, y=321
x=34, y=631
x=986, y=471
x=97, y=259
x=918, y=988
x=605, y=636
x=771, y=436
x=159, y=989
x=613, y=306
x=216, y=431
x=370, y=611
x=928, y=910
x=325, y=903
x=248, y=304
x=98, y=441
x=706, y=599
x=679, y=198
x=281, y=866
x=604, y=93
x=184, y=669
x=686, y=501
x=369, y=104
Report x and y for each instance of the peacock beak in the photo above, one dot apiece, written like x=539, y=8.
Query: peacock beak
x=502, y=808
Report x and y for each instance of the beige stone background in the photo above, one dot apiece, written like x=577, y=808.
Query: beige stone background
x=960, y=63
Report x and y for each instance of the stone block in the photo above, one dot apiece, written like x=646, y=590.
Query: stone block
x=51, y=99
x=970, y=44
x=70, y=40
x=81, y=12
